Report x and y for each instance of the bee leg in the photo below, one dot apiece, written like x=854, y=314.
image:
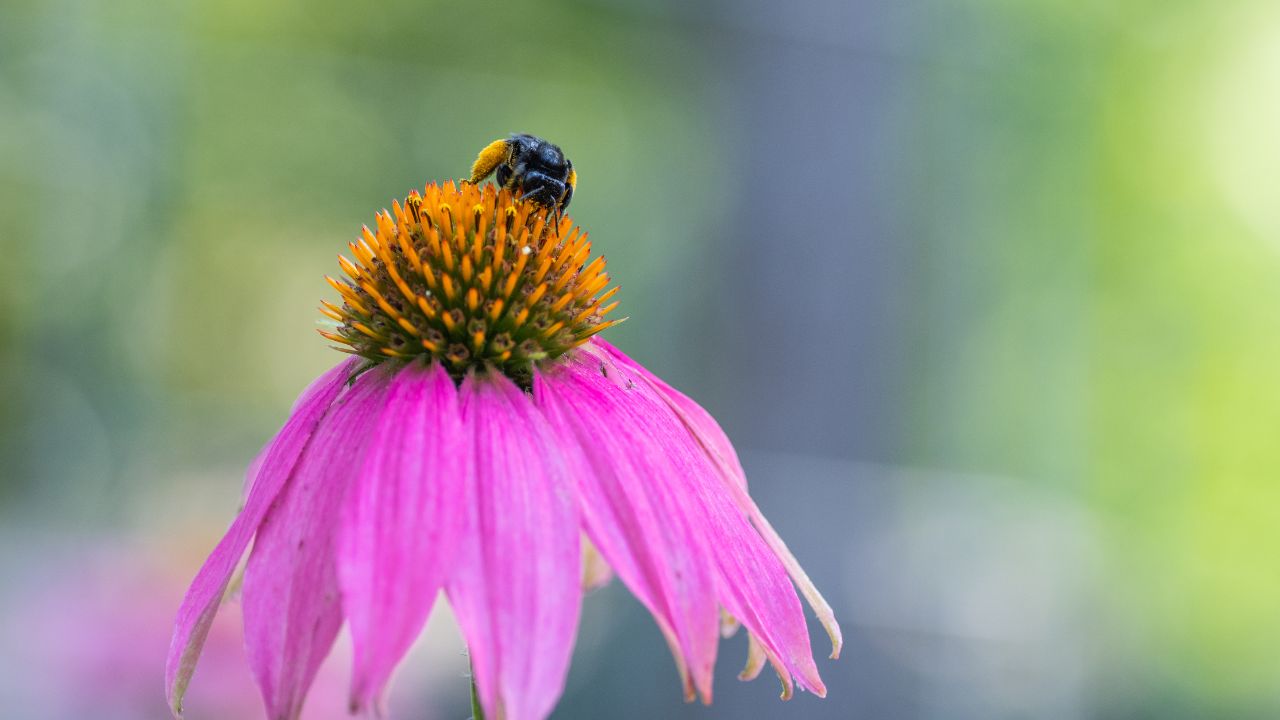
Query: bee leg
x=495, y=154
x=542, y=189
x=505, y=176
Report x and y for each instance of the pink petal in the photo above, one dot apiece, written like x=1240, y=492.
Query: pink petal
x=292, y=609
x=718, y=447
x=754, y=587
x=636, y=510
x=268, y=474
x=515, y=587
x=401, y=525
x=699, y=421
x=751, y=583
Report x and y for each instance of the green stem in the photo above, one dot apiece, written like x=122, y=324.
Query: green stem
x=477, y=712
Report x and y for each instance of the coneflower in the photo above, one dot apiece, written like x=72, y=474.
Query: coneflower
x=479, y=442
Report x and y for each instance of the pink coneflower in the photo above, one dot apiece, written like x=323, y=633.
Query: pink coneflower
x=478, y=436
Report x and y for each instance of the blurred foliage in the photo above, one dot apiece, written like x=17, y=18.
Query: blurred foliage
x=1123, y=334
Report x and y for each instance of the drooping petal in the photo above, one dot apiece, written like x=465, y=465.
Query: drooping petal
x=268, y=474
x=821, y=609
x=755, y=659
x=637, y=513
x=292, y=609
x=750, y=581
x=401, y=524
x=728, y=625
x=755, y=589
x=515, y=587
x=596, y=572
x=699, y=421
x=718, y=447
x=753, y=584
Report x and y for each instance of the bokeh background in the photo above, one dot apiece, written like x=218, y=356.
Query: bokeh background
x=986, y=292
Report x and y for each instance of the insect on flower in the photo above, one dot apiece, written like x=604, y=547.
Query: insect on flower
x=481, y=441
x=536, y=169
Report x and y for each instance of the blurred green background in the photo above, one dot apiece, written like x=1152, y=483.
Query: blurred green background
x=987, y=293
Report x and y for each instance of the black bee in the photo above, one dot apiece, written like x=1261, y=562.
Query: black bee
x=530, y=165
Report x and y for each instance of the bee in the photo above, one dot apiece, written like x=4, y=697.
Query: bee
x=533, y=167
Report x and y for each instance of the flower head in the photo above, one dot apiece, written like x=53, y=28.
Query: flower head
x=472, y=279
x=479, y=436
